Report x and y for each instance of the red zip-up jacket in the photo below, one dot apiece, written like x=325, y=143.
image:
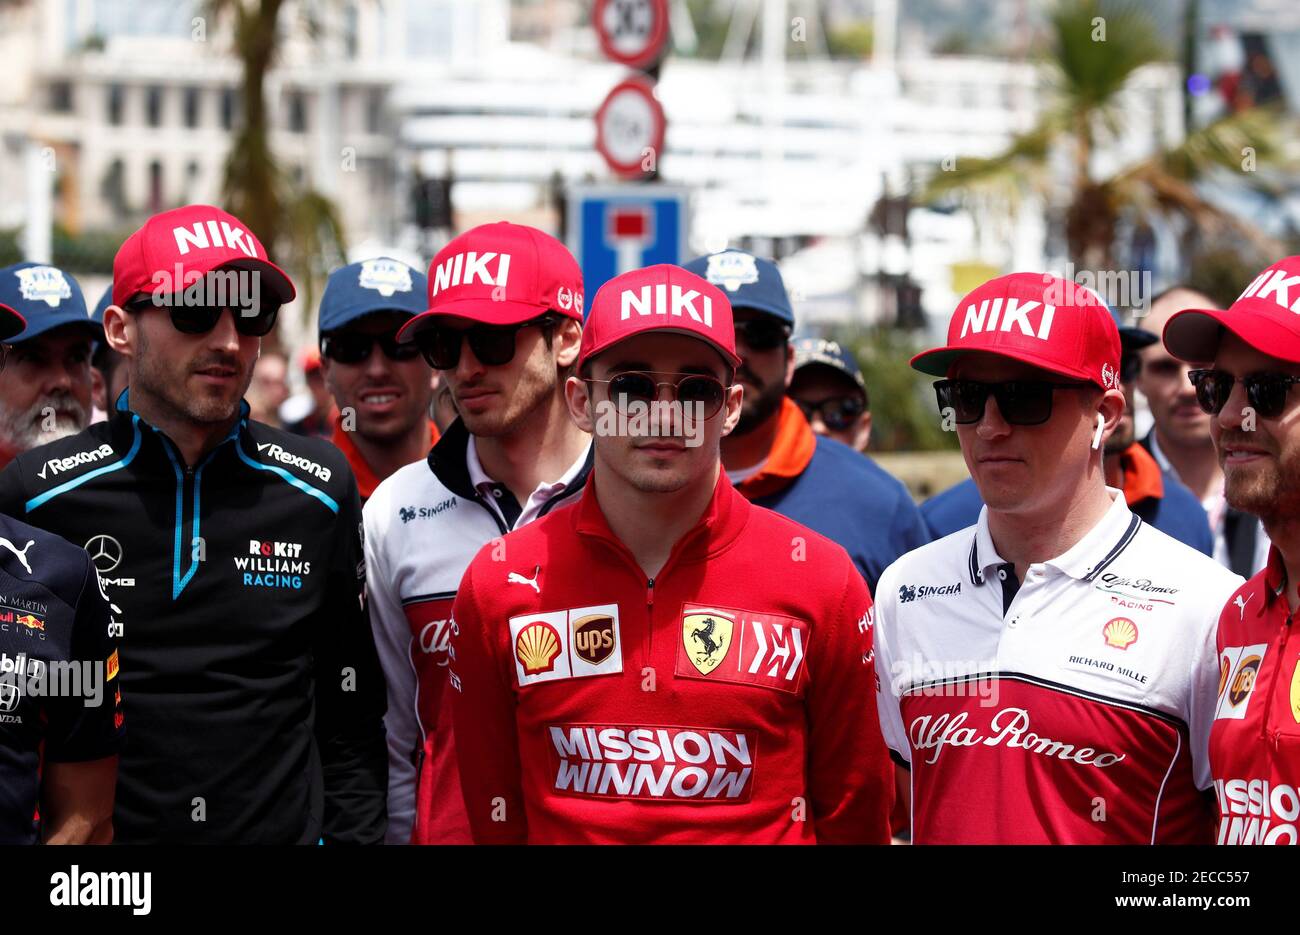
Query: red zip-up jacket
x=730, y=699
x=1255, y=736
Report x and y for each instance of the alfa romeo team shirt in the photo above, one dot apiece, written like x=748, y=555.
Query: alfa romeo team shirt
x=728, y=699
x=1255, y=737
x=1071, y=708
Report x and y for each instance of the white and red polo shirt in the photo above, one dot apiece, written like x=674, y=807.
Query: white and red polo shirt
x=1071, y=708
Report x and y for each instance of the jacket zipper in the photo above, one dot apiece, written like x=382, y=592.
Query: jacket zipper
x=650, y=618
x=1269, y=734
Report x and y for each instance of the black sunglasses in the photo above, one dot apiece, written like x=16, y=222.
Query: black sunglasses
x=1266, y=392
x=355, y=347
x=493, y=345
x=837, y=413
x=253, y=322
x=1021, y=402
x=762, y=334
x=692, y=389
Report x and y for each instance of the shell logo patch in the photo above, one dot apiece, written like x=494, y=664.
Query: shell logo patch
x=1121, y=633
x=536, y=647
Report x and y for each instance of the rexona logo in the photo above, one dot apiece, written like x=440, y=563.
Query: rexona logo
x=272, y=450
x=656, y=763
x=59, y=465
x=660, y=299
x=1016, y=313
x=463, y=269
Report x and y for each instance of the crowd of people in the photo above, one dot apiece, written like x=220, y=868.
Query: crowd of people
x=525, y=565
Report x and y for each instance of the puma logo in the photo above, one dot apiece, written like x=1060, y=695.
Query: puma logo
x=21, y=553
x=515, y=578
x=1241, y=603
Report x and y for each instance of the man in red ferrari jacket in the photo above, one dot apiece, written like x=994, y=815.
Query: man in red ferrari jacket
x=663, y=662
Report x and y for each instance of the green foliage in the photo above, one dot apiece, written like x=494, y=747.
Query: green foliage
x=904, y=416
x=852, y=41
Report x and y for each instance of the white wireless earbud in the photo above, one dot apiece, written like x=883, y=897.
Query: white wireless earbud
x=1096, y=436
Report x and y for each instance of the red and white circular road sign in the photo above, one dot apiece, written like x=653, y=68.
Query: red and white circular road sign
x=632, y=32
x=630, y=128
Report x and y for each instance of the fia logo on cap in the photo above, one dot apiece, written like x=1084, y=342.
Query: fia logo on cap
x=731, y=270
x=384, y=276
x=566, y=299
x=44, y=284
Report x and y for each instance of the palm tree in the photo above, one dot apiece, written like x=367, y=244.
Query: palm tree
x=293, y=221
x=1087, y=76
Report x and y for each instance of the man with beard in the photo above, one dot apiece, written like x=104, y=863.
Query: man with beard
x=1250, y=393
x=383, y=389
x=683, y=667
x=502, y=329
x=774, y=458
x=46, y=391
x=1180, y=438
x=58, y=751
x=234, y=552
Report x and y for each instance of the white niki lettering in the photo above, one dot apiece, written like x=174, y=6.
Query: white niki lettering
x=464, y=268
x=681, y=301
x=213, y=235
x=1275, y=283
x=985, y=318
x=1010, y=725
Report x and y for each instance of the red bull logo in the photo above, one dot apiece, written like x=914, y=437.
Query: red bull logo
x=30, y=622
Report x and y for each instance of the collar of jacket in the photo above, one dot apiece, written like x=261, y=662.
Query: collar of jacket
x=717, y=528
x=792, y=450
x=367, y=479
x=448, y=461
x=126, y=426
x=1141, y=475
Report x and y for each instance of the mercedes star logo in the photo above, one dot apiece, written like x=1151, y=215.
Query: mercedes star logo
x=105, y=553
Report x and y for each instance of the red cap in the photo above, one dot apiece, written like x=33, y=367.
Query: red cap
x=661, y=298
x=185, y=244
x=11, y=323
x=1036, y=318
x=501, y=274
x=1266, y=316
x=309, y=359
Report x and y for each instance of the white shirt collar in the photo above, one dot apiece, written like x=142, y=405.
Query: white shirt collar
x=1085, y=560
x=484, y=484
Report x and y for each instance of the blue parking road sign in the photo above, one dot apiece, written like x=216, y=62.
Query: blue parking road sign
x=617, y=228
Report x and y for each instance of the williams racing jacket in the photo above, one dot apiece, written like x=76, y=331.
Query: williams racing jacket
x=423, y=526
x=1071, y=708
x=248, y=670
x=728, y=699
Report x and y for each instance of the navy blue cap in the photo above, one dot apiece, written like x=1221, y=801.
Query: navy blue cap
x=810, y=351
x=379, y=285
x=1130, y=338
x=47, y=297
x=104, y=302
x=747, y=280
